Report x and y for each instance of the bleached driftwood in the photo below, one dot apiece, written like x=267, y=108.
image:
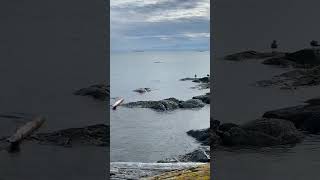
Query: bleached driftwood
x=117, y=103
x=23, y=132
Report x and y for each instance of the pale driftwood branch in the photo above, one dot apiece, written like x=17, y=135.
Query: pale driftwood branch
x=117, y=103
x=24, y=131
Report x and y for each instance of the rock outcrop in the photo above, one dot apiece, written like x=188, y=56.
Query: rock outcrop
x=97, y=135
x=293, y=79
x=98, y=91
x=170, y=104
x=262, y=132
x=305, y=58
x=204, y=98
x=304, y=117
x=204, y=82
x=246, y=55
x=259, y=133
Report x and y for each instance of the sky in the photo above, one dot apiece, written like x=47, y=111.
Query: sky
x=159, y=25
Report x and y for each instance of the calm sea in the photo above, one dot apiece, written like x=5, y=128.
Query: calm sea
x=143, y=135
x=235, y=100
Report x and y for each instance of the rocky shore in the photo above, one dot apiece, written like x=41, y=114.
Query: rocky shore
x=135, y=171
x=95, y=135
x=248, y=55
x=171, y=104
x=286, y=126
x=306, y=64
x=203, y=83
x=293, y=79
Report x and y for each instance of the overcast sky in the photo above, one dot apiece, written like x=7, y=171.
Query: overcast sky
x=159, y=24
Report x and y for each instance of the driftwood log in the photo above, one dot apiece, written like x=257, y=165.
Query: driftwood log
x=23, y=132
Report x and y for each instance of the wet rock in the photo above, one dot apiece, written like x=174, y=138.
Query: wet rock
x=192, y=103
x=262, y=132
x=314, y=101
x=304, y=117
x=162, y=105
x=293, y=79
x=204, y=82
x=142, y=90
x=279, y=62
x=97, y=135
x=207, y=137
x=227, y=126
x=305, y=58
x=166, y=104
x=246, y=55
x=204, y=98
x=201, y=154
x=99, y=91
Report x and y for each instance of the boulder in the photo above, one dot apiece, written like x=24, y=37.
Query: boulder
x=192, y=103
x=227, y=126
x=262, y=132
x=304, y=117
x=204, y=98
x=198, y=155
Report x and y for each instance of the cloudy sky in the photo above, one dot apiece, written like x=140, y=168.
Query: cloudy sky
x=159, y=24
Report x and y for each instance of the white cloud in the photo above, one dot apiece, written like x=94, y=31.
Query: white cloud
x=171, y=22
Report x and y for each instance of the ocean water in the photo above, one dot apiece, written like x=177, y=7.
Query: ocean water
x=144, y=135
x=235, y=100
x=47, y=52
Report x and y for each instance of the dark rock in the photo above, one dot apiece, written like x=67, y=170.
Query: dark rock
x=314, y=101
x=192, y=103
x=305, y=58
x=162, y=105
x=214, y=124
x=294, y=79
x=280, y=62
x=262, y=132
x=166, y=104
x=142, y=90
x=199, y=155
x=204, y=82
x=204, y=98
x=305, y=117
x=202, y=154
x=99, y=91
x=97, y=135
x=312, y=123
x=227, y=126
x=251, y=55
x=206, y=137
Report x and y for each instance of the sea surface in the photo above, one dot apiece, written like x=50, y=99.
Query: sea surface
x=49, y=49
x=144, y=135
x=236, y=100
